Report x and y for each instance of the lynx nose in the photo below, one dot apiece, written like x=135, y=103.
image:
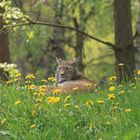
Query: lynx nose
x=62, y=73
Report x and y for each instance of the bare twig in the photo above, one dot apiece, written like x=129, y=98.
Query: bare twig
x=134, y=36
x=31, y=22
x=101, y=57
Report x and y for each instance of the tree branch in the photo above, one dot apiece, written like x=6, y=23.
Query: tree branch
x=31, y=22
x=101, y=57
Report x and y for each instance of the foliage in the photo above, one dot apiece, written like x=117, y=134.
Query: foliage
x=10, y=70
x=11, y=14
x=27, y=43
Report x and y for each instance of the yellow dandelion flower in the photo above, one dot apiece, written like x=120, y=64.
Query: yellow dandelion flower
x=75, y=88
x=112, y=78
x=76, y=106
x=33, y=113
x=121, y=64
x=51, y=78
x=9, y=81
x=33, y=126
x=56, y=91
x=100, y=101
x=30, y=76
x=67, y=98
x=27, y=82
x=52, y=100
x=122, y=92
x=67, y=105
x=41, y=93
x=127, y=110
x=88, y=84
x=31, y=87
x=42, y=90
x=138, y=72
x=89, y=103
x=111, y=96
x=3, y=121
x=111, y=88
x=18, y=102
x=54, y=80
x=18, y=75
x=14, y=80
x=44, y=80
x=42, y=87
x=91, y=125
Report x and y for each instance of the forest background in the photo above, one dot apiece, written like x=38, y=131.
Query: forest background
x=34, y=47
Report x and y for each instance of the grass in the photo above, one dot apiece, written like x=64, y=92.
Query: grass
x=109, y=113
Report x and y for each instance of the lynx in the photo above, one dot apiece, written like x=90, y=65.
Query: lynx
x=69, y=78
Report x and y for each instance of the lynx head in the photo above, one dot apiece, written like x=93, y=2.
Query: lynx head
x=66, y=70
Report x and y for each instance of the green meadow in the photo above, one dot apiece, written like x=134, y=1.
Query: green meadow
x=110, y=112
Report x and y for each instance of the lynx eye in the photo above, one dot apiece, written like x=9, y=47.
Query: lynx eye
x=66, y=68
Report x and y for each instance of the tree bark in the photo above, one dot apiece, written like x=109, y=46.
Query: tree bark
x=138, y=37
x=79, y=46
x=80, y=37
x=4, y=48
x=124, y=50
x=4, y=42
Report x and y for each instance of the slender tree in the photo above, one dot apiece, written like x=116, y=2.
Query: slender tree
x=138, y=36
x=80, y=22
x=55, y=44
x=4, y=42
x=124, y=48
x=4, y=47
x=79, y=37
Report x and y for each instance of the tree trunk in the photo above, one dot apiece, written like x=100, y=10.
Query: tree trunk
x=124, y=50
x=4, y=42
x=138, y=38
x=4, y=48
x=79, y=46
x=80, y=37
x=79, y=50
x=55, y=47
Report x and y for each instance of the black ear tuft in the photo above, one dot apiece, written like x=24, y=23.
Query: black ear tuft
x=58, y=60
x=75, y=61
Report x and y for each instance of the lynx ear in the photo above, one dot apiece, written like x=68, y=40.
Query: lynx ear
x=75, y=61
x=58, y=60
